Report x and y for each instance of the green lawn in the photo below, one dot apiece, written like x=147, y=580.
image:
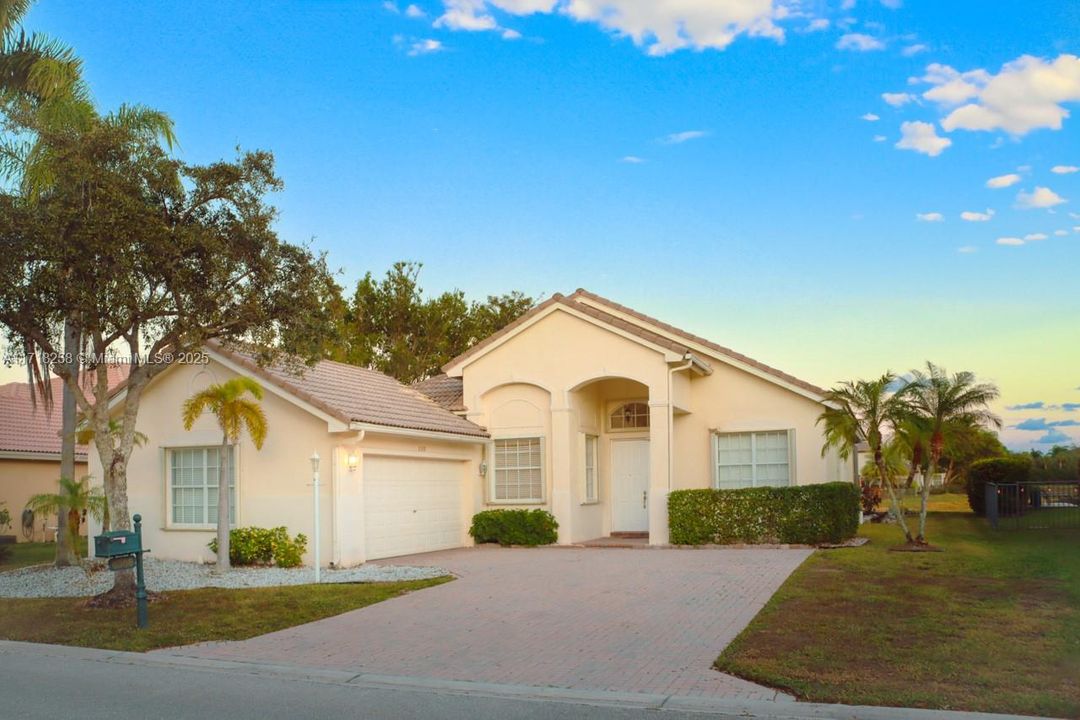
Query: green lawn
x=182, y=618
x=945, y=502
x=24, y=554
x=991, y=624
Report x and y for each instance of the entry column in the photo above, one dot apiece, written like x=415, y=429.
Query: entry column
x=563, y=439
x=659, y=464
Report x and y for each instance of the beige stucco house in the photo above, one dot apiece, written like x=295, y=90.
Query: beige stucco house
x=582, y=407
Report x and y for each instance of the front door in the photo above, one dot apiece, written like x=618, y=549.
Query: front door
x=630, y=485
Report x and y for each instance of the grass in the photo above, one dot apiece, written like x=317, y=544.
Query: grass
x=990, y=624
x=945, y=502
x=191, y=616
x=24, y=554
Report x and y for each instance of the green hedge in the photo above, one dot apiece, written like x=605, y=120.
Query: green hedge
x=1009, y=469
x=515, y=527
x=808, y=514
x=259, y=546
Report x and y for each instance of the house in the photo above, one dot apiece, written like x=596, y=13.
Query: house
x=30, y=455
x=582, y=407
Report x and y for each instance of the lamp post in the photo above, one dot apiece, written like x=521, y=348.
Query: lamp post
x=315, y=493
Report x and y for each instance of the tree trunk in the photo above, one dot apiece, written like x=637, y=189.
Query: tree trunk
x=223, y=509
x=886, y=480
x=119, y=519
x=924, y=500
x=916, y=464
x=65, y=548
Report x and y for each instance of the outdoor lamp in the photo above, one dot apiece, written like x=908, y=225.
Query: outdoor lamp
x=353, y=461
x=315, y=462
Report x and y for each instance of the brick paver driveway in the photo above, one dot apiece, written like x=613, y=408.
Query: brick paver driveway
x=601, y=619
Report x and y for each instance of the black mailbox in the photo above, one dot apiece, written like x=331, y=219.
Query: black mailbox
x=117, y=543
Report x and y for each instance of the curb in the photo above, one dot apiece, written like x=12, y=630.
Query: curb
x=772, y=710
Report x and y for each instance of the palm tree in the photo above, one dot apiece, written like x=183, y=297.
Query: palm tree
x=912, y=437
x=74, y=497
x=860, y=411
x=945, y=401
x=234, y=412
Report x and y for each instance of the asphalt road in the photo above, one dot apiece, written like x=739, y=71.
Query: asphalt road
x=49, y=682
x=52, y=687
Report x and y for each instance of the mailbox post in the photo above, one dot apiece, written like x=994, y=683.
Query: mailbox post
x=124, y=550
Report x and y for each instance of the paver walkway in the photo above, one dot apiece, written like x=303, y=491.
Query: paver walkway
x=648, y=621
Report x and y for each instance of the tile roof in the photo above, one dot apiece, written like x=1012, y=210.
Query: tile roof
x=444, y=390
x=638, y=329
x=35, y=430
x=356, y=394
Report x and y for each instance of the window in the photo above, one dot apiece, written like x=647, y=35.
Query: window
x=591, y=493
x=629, y=416
x=752, y=459
x=519, y=470
x=193, y=483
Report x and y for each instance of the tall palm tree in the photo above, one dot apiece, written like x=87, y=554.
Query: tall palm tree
x=860, y=412
x=944, y=400
x=912, y=436
x=40, y=75
x=227, y=401
x=74, y=498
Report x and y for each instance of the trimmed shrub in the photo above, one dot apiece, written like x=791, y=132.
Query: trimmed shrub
x=515, y=527
x=259, y=546
x=808, y=514
x=1008, y=469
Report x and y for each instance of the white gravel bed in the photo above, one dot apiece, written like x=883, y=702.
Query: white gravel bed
x=48, y=581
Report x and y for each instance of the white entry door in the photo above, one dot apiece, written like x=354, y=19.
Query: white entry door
x=411, y=505
x=630, y=485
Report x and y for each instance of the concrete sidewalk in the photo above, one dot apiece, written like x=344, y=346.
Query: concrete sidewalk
x=77, y=660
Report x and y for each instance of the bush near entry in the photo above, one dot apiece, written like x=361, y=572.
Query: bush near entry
x=1011, y=469
x=515, y=527
x=259, y=546
x=809, y=514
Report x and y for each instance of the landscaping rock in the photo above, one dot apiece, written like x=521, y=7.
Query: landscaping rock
x=163, y=575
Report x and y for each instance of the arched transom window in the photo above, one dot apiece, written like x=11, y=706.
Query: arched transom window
x=629, y=416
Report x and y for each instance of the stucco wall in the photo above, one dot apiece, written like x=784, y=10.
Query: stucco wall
x=22, y=479
x=273, y=483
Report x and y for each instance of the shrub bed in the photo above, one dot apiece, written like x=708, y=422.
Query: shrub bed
x=1010, y=469
x=259, y=546
x=515, y=527
x=809, y=514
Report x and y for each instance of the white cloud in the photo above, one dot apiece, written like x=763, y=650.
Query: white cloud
x=632, y=160
x=1031, y=237
x=1061, y=233
x=818, y=24
x=1010, y=241
x=1027, y=94
x=951, y=87
x=1076, y=228
x=967, y=249
x=391, y=7
x=847, y=5
x=922, y=138
x=930, y=217
x=977, y=216
x=659, y=27
x=511, y=35
x=859, y=42
x=425, y=47
x=1002, y=181
x=415, y=12
x=1064, y=169
x=680, y=137
x=897, y=99
x=869, y=117
x=912, y=50
x=880, y=138
x=1042, y=197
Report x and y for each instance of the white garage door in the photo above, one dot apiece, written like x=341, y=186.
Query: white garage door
x=411, y=505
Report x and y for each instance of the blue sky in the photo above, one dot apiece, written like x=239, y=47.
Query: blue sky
x=717, y=165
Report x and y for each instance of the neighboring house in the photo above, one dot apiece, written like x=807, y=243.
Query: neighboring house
x=30, y=454
x=582, y=407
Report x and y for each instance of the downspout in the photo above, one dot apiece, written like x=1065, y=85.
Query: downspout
x=671, y=416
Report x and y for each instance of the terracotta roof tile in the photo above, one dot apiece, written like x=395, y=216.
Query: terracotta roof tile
x=356, y=394
x=444, y=390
